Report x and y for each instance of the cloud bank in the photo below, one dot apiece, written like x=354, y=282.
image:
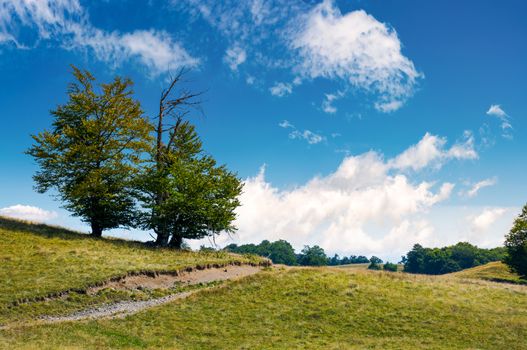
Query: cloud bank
x=368, y=205
x=28, y=212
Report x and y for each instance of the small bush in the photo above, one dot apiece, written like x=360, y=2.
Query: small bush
x=388, y=266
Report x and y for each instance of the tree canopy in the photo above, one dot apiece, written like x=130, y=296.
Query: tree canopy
x=92, y=152
x=437, y=261
x=516, y=245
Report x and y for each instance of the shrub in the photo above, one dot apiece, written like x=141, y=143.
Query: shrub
x=388, y=266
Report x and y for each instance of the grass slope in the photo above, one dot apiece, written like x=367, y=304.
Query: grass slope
x=38, y=260
x=312, y=308
x=494, y=271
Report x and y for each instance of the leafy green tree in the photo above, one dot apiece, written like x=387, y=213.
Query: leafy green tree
x=375, y=263
x=516, y=244
x=92, y=152
x=313, y=256
x=388, y=266
x=281, y=252
x=185, y=193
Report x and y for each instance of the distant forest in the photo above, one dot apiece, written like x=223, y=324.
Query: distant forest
x=433, y=261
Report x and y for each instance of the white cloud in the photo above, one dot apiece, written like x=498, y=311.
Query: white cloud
x=355, y=48
x=315, y=40
x=307, y=135
x=28, y=212
x=430, y=150
x=281, y=89
x=234, y=57
x=286, y=124
x=506, y=126
x=360, y=207
x=475, y=188
x=66, y=23
x=483, y=221
x=327, y=104
x=250, y=80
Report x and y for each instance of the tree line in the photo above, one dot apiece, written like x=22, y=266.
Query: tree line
x=282, y=252
x=438, y=261
x=112, y=166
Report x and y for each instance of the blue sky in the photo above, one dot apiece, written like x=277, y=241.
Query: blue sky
x=361, y=126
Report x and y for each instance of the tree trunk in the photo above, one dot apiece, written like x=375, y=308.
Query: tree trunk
x=96, y=229
x=176, y=242
x=161, y=239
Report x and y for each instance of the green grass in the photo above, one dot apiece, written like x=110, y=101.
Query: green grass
x=494, y=271
x=311, y=308
x=38, y=261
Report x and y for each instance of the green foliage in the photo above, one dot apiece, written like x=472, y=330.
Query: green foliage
x=198, y=196
x=375, y=263
x=280, y=252
x=516, y=245
x=388, y=266
x=352, y=259
x=437, y=261
x=90, y=155
x=312, y=256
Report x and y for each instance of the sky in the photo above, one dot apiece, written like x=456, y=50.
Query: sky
x=360, y=126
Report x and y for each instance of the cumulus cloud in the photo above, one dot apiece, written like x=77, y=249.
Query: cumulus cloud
x=431, y=150
x=475, y=188
x=506, y=126
x=337, y=210
x=307, y=135
x=364, y=206
x=483, y=221
x=66, y=23
x=356, y=48
x=28, y=212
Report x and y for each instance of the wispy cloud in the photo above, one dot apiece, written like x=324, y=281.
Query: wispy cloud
x=234, y=57
x=307, y=135
x=281, y=89
x=329, y=99
x=506, y=126
x=315, y=40
x=66, y=24
x=28, y=212
x=476, y=187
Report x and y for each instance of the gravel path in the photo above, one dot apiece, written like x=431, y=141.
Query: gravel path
x=125, y=308
x=119, y=309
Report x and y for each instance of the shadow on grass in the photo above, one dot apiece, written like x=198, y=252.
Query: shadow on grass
x=49, y=231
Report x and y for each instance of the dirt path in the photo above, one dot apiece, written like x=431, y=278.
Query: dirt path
x=125, y=308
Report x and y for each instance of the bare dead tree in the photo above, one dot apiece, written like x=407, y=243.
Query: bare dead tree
x=174, y=107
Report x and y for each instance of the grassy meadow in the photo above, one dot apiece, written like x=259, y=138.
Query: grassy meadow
x=39, y=261
x=494, y=271
x=311, y=308
x=347, y=307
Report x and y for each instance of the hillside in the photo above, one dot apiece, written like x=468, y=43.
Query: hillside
x=313, y=308
x=40, y=263
x=494, y=271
